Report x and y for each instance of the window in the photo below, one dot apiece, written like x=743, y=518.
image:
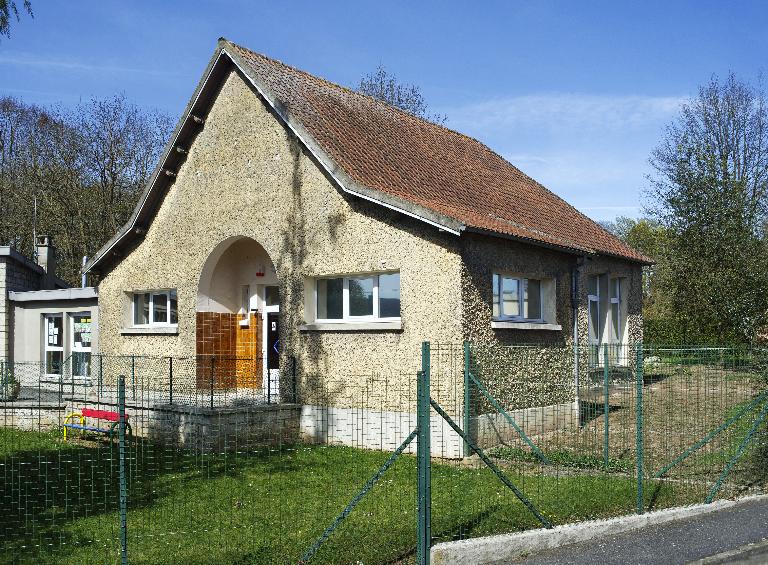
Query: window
x=245, y=299
x=593, y=299
x=54, y=343
x=81, y=344
x=616, y=324
x=517, y=298
x=272, y=296
x=359, y=298
x=156, y=308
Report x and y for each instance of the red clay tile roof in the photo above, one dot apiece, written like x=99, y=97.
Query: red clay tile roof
x=404, y=156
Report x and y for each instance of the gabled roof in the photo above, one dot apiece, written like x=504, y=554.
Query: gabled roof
x=391, y=157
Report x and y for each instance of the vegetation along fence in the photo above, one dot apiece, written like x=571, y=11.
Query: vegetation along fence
x=200, y=460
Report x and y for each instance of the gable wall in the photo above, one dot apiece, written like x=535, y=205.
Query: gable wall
x=247, y=176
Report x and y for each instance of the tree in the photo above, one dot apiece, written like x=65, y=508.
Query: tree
x=8, y=11
x=710, y=192
x=383, y=85
x=86, y=168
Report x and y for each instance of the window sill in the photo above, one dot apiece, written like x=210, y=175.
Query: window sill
x=352, y=327
x=499, y=325
x=150, y=330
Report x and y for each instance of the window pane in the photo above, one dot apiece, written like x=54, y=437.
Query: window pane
x=496, y=296
x=330, y=294
x=54, y=328
x=245, y=299
x=594, y=321
x=140, y=309
x=81, y=334
x=533, y=299
x=616, y=320
x=272, y=295
x=174, y=307
x=592, y=285
x=81, y=363
x=389, y=295
x=160, y=304
x=510, y=295
x=615, y=288
x=361, y=297
x=53, y=362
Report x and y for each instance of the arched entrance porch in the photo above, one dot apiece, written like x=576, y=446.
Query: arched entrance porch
x=238, y=306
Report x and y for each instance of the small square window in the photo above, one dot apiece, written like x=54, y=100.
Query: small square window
x=517, y=298
x=158, y=308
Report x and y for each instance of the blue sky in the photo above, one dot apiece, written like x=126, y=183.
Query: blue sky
x=576, y=94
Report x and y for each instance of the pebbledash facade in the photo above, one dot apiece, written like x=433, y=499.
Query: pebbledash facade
x=301, y=223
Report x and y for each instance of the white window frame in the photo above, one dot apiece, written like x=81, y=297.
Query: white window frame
x=593, y=300
x=616, y=300
x=151, y=322
x=522, y=290
x=47, y=347
x=346, y=318
x=73, y=346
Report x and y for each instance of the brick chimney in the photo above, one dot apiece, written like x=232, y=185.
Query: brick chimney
x=46, y=258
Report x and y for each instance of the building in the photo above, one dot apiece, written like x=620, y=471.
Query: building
x=292, y=220
x=43, y=323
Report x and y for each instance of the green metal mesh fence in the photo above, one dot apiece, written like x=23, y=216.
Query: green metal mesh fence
x=224, y=464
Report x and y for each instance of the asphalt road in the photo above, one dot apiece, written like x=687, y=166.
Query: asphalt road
x=727, y=534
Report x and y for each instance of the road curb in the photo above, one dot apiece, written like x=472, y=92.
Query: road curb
x=503, y=547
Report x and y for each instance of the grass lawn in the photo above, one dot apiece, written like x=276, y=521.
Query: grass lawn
x=59, y=503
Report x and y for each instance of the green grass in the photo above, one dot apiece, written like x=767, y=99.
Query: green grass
x=565, y=458
x=266, y=506
x=14, y=441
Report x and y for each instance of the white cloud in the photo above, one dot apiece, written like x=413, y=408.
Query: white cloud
x=29, y=60
x=563, y=110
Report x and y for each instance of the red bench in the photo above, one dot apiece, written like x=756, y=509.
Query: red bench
x=105, y=415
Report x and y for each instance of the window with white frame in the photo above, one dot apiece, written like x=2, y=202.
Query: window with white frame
x=155, y=308
x=616, y=321
x=517, y=298
x=54, y=343
x=593, y=304
x=360, y=298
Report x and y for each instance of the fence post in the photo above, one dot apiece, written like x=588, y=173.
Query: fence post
x=269, y=386
x=639, y=425
x=170, y=380
x=467, y=397
x=213, y=372
x=606, y=403
x=123, y=485
x=424, y=497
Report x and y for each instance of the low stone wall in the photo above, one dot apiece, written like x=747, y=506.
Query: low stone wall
x=219, y=429
x=494, y=429
x=34, y=417
x=234, y=428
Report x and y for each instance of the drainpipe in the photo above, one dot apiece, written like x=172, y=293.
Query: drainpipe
x=83, y=275
x=575, y=278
